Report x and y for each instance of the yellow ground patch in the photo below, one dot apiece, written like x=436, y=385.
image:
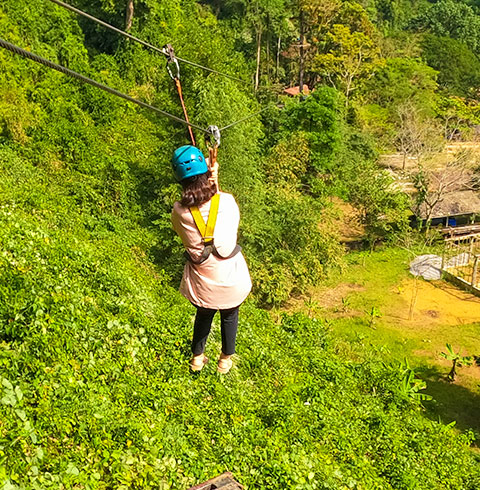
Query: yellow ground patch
x=437, y=302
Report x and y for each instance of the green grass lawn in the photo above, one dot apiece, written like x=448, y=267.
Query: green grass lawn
x=382, y=275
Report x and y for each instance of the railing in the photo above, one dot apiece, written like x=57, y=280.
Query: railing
x=461, y=259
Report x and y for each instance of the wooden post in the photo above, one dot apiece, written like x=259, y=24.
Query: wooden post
x=444, y=254
x=475, y=270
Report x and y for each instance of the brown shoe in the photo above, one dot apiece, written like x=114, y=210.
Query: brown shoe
x=198, y=362
x=224, y=365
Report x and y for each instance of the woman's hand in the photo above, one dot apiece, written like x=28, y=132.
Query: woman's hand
x=214, y=173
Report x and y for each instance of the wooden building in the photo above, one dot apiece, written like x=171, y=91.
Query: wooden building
x=458, y=210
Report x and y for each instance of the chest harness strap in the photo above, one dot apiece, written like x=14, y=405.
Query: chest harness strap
x=207, y=231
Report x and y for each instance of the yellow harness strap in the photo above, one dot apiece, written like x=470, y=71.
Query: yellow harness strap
x=207, y=230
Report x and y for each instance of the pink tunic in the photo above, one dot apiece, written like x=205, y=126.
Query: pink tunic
x=216, y=283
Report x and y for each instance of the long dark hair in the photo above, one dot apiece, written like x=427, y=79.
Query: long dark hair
x=197, y=190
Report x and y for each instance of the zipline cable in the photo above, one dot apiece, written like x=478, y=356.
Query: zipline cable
x=136, y=39
x=66, y=71
x=247, y=117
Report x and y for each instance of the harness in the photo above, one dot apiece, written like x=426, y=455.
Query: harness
x=207, y=231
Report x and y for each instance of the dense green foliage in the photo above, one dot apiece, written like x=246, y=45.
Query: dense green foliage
x=95, y=391
x=458, y=67
x=453, y=19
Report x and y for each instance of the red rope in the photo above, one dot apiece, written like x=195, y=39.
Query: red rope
x=179, y=89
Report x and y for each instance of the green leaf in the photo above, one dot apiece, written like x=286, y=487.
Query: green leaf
x=21, y=414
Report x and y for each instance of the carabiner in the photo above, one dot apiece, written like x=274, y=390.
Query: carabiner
x=168, y=51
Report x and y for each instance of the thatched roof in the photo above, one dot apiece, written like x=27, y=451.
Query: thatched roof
x=454, y=203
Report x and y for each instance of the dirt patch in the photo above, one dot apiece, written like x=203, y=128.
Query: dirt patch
x=436, y=302
x=333, y=299
x=349, y=223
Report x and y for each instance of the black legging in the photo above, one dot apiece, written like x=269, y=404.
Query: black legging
x=203, y=323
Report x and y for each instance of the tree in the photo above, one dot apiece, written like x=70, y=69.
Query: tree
x=257, y=20
x=458, y=116
x=395, y=15
x=302, y=51
x=418, y=135
x=319, y=117
x=400, y=80
x=317, y=18
x=352, y=57
x=129, y=15
x=319, y=15
x=401, y=92
x=458, y=67
x=457, y=20
x=383, y=208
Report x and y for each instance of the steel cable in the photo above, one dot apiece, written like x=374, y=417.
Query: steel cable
x=247, y=117
x=66, y=71
x=136, y=39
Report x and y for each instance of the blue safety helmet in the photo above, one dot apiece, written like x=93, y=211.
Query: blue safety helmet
x=188, y=161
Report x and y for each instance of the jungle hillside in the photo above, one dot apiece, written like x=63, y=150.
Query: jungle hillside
x=357, y=122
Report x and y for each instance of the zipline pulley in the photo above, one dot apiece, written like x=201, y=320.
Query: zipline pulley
x=212, y=137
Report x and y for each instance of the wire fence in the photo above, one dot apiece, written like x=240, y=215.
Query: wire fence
x=461, y=259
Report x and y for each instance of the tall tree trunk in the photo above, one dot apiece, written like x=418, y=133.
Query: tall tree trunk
x=278, y=57
x=129, y=15
x=259, y=50
x=347, y=92
x=302, y=53
x=268, y=57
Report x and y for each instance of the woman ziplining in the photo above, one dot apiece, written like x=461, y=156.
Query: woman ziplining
x=216, y=276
